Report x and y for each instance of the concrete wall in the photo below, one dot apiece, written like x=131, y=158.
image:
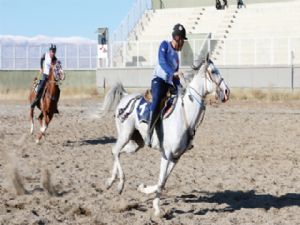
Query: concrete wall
x=21, y=79
x=239, y=77
x=157, y=4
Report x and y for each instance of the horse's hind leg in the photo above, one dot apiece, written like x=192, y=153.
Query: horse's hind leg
x=123, y=139
x=130, y=147
x=114, y=172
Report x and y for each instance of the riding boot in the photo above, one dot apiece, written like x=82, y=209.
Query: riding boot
x=37, y=97
x=40, y=91
x=151, y=124
x=159, y=132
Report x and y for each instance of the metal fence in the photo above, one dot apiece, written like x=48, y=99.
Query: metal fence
x=83, y=56
x=243, y=51
x=251, y=51
x=130, y=20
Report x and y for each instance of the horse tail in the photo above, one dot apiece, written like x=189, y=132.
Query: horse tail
x=113, y=97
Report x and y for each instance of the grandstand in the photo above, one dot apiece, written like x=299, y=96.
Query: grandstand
x=261, y=34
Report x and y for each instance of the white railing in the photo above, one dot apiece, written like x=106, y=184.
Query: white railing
x=83, y=56
x=131, y=19
x=251, y=51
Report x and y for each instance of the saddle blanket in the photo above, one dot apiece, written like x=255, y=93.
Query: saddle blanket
x=144, y=108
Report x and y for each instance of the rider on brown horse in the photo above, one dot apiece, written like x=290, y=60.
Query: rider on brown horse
x=47, y=60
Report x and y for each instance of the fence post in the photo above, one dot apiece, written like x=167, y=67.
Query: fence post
x=292, y=69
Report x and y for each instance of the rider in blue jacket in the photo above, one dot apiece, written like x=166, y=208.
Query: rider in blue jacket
x=166, y=75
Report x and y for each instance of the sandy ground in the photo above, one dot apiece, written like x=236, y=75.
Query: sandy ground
x=244, y=169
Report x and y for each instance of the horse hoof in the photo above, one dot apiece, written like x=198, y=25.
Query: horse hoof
x=156, y=207
x=157, y=213
x=108, y=184
x=120, y=187
x=141, y=187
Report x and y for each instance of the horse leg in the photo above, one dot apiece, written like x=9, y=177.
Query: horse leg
x=117, y=168
x=162, y=176
x=31, y=119
x=44, y=125
x=151, y=189
x=130, y=147
x=114, y=173
x=40, y=118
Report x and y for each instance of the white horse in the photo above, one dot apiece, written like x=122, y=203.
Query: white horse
x=178, y=129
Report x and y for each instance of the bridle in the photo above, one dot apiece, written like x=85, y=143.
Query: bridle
x=208, y=75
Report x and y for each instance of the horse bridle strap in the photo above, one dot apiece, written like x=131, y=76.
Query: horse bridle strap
x=192, y=132
x=213, y=80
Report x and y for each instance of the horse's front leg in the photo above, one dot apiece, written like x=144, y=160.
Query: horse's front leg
x=152, y=189
x=164, y=163
x=45, y=119
x=31, y=114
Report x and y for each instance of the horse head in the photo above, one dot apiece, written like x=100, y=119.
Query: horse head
x=214, y=82
x=59, y=73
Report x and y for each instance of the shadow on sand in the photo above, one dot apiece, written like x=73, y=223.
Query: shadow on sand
x=234, y=200
x=97, y=141
x=101, y=141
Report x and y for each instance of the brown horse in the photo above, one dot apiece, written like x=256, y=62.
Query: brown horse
x=49, y=100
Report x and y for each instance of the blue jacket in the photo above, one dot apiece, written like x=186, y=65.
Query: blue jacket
x=168, y=62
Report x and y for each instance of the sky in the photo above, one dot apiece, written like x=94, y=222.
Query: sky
x=61, y=18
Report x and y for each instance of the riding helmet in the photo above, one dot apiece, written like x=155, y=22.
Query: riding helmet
x=179, y=30
x=52, y=47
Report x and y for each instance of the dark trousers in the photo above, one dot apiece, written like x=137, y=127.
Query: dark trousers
x=40, y=90
x=159, y=89
x=42, y=85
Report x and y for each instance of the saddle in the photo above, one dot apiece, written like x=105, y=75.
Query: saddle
x=166, y=107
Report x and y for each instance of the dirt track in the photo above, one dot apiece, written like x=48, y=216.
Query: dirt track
x=244, y=169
